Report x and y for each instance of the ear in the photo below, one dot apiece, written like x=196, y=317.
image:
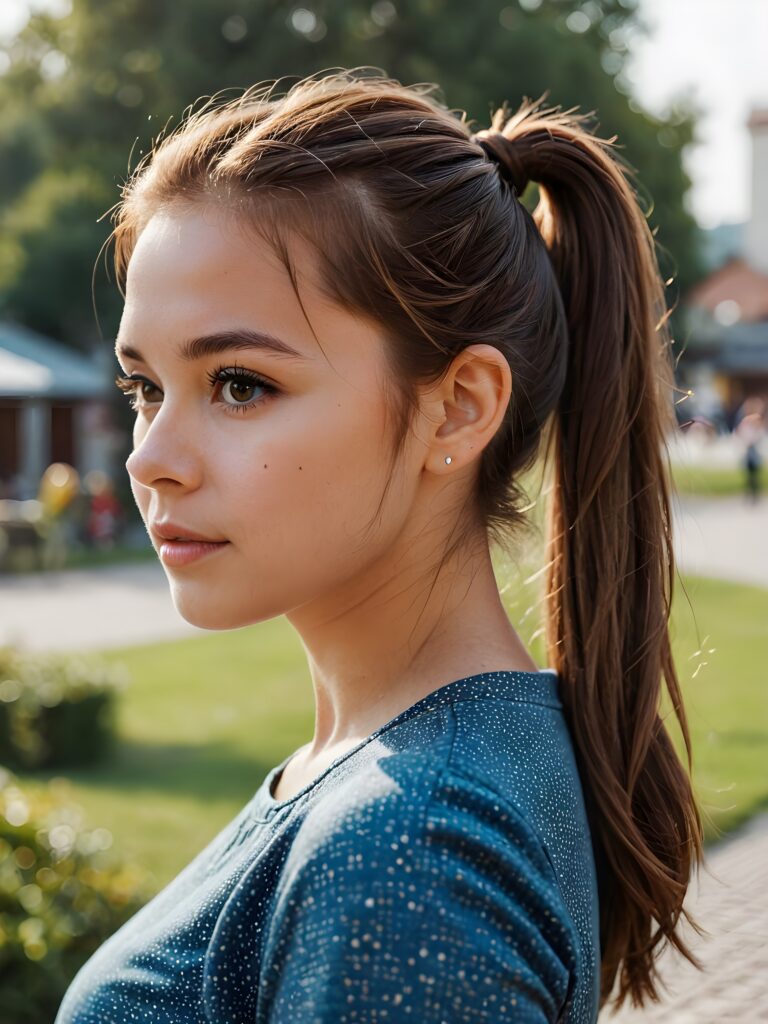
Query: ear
x=469, y=406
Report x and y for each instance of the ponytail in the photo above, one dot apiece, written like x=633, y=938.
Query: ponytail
x=610, y=563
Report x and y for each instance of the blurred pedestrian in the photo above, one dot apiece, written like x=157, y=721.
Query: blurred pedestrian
x=104, y=510
x=751, y=430
x=59, y=486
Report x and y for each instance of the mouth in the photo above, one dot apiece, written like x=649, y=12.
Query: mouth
x=177, y=553
x=177, y=532
x=190, y=540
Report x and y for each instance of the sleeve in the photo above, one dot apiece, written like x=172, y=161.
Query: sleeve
x=442, y=910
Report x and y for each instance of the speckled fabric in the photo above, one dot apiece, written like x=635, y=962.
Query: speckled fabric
x=441, y=871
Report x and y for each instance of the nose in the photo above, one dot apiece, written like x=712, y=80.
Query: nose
x=166, y=453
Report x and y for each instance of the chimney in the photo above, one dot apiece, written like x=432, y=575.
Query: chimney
x=756, y=240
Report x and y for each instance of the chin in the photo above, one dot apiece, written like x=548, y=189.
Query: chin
x=203, y=610
x=204, y=619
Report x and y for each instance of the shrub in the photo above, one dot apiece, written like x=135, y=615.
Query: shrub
x=56, y=710
x=61, y=896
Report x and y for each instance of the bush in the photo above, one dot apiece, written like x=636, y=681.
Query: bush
x=56, y=710
x=61, y=896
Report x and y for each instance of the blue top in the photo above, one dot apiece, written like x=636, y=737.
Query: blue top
x=440, y=871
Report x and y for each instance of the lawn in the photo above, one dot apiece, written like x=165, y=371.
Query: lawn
x=204, y=719
x=713, y=481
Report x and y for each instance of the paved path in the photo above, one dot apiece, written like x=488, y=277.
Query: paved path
x=724, y=537
x=729, y=898
x=77, y=609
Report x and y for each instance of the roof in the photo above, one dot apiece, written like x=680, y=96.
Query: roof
x=35, y=366
x=735, y=280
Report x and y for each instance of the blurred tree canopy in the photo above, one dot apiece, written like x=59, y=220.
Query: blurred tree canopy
x=83, y=94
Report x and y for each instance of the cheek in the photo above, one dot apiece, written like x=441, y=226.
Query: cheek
x=314, y=482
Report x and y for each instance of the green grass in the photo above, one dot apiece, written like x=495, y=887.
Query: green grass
x=199, y=726
x=688, y=479
x=720, y=643
x=710, y=481
x=205, y=718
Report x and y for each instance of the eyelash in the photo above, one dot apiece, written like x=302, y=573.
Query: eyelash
x=130, y=385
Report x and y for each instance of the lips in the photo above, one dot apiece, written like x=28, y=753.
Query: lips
x=191, y=540
x=167, y=530
x=178, y=553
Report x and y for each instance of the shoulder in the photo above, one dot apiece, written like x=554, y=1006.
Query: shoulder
x=521, y=748
x=405, y=806
x=430, y=881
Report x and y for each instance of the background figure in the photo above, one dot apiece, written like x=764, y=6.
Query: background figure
x=751, y=430
x=104, y=510
x=59, y=485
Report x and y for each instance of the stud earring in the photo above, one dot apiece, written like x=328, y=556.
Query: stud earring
x=448, y=459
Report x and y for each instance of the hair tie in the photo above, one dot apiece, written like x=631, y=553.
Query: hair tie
x=506, y=155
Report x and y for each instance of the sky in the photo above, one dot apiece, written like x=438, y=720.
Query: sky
x=713, y=51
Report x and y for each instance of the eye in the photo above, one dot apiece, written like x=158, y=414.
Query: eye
x=242, y=381
x=236, y=383
x=132, y=386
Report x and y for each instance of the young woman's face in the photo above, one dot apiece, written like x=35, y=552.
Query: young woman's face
x=290, y=478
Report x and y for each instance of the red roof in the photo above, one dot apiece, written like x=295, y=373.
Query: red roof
x=737, y=281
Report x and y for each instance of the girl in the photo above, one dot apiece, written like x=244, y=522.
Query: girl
x=345, y=338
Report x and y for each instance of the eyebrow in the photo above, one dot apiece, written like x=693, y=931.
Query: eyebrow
x=242, y=339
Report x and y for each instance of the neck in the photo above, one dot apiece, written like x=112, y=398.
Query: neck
x=383, y=642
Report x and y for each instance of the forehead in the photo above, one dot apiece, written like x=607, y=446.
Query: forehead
x=199, y=270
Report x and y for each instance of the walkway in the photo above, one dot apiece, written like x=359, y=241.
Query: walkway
x=729, y=898
x=78, y=609
x=722, y=537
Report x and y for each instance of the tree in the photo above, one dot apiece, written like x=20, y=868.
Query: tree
x=83, y=96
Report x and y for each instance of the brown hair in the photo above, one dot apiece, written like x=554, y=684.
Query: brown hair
x=418, y=224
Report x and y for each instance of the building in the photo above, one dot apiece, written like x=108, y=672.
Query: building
x=725, y=358
x=54, y=407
